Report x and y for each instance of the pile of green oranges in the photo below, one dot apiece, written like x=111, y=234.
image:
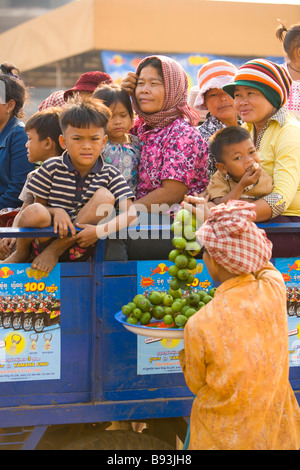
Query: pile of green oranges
x=177, y=305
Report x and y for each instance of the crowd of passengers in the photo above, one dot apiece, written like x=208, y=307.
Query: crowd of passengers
x=147, y=143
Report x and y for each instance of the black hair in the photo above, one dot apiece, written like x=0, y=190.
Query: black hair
x=154, y=62
x=15, y=88
x=111, y=94
x=227, y=136
x=289, y=37
x=46, y=124
x=84, y=112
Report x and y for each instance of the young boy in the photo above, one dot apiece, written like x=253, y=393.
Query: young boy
x=43, y=131
x=236, y=356
x=238, y=175
x=76, y=189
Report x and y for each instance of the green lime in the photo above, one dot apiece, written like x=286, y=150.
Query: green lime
x=183, y=274
x=193, y=248
x=177, y=228
x=158, y=312
x=202, y=293
x=190, y=279
x=212, y=291
x=174, y=284
x=184, y=216
x=167, y=300
x=180, y=320
x=176, y=306
x=192, y=263
x=138, y=297
x=137, y=313
x=126, y=310
x=168, y=319
x=145, y=318
x=207, y=299
x=173, y=270
x=189, y=233
x=155, y=297
x=179, y=242
x=132, y=320
x=173, y=254
x=185, y=308
x=176, y=294
x=144, y=305
x=188, y=313
x=201, y=305
x=168, y=311
x=181, y=261
x=193, y=300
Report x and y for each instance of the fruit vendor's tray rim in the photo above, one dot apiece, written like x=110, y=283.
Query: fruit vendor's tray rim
x=150, y=331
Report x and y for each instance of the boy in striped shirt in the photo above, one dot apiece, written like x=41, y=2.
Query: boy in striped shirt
x=75, y=190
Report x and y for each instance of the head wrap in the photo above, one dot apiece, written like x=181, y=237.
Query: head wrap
x=232, y=238
x=56, y=99
x=176, y=94
x=271, y=79
x=214, y=74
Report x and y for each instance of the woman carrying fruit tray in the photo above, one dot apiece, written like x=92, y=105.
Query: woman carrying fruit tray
x=235, y=359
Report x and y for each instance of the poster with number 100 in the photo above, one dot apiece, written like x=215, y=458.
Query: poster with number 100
x=29, y=323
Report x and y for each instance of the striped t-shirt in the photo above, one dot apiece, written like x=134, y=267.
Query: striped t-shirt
x=59, y=183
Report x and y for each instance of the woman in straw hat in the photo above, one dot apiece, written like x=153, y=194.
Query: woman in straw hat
x=236, y=357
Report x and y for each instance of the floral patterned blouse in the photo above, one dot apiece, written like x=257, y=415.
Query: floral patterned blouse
x=125, y=157
x=175, y=152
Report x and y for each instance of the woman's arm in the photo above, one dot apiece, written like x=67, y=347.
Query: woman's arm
x=171, y=192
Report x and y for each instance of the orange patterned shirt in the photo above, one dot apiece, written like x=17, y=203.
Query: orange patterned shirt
x=237, y=365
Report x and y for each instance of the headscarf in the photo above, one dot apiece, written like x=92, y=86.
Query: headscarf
x=176, y=94
x=271, y=79
x=56, y=99
x=232, y=238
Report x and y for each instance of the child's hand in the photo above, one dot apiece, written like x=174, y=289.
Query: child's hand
x=62, y=223
x=129, y=83
x=6, y=245
x=251, y=176
x=87, y=236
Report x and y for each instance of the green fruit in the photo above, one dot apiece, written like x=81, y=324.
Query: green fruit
x=145, y=318
x=173, y=254
x=201, y=305
x=212, y=291
x=193, y=300
x=132, y=320
x=179, y=242
x=184, y=216
x=185, y=308
x=177, y=228
x=202, y=293
x=138, y=297
x=168, y=319
x=158, y=312
x=181, y=261
x=167, y=300
x=132, y=305
x=155, y=298
x=176, y=294
x=168, y=311
x=173, y=270
x=193, y=248
x=189, y=233
x=188, y=313
x=207, y=299
x=144, y=305
x=180, y=320
x=192, y=263
x=190, y=279
x=176, y=306
x=137, y=313
x=174, y=284
x=183, y=274
x=126, y=310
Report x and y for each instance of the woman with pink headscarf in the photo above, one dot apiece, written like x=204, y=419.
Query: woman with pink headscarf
x=173, y=154
x=236, y=357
